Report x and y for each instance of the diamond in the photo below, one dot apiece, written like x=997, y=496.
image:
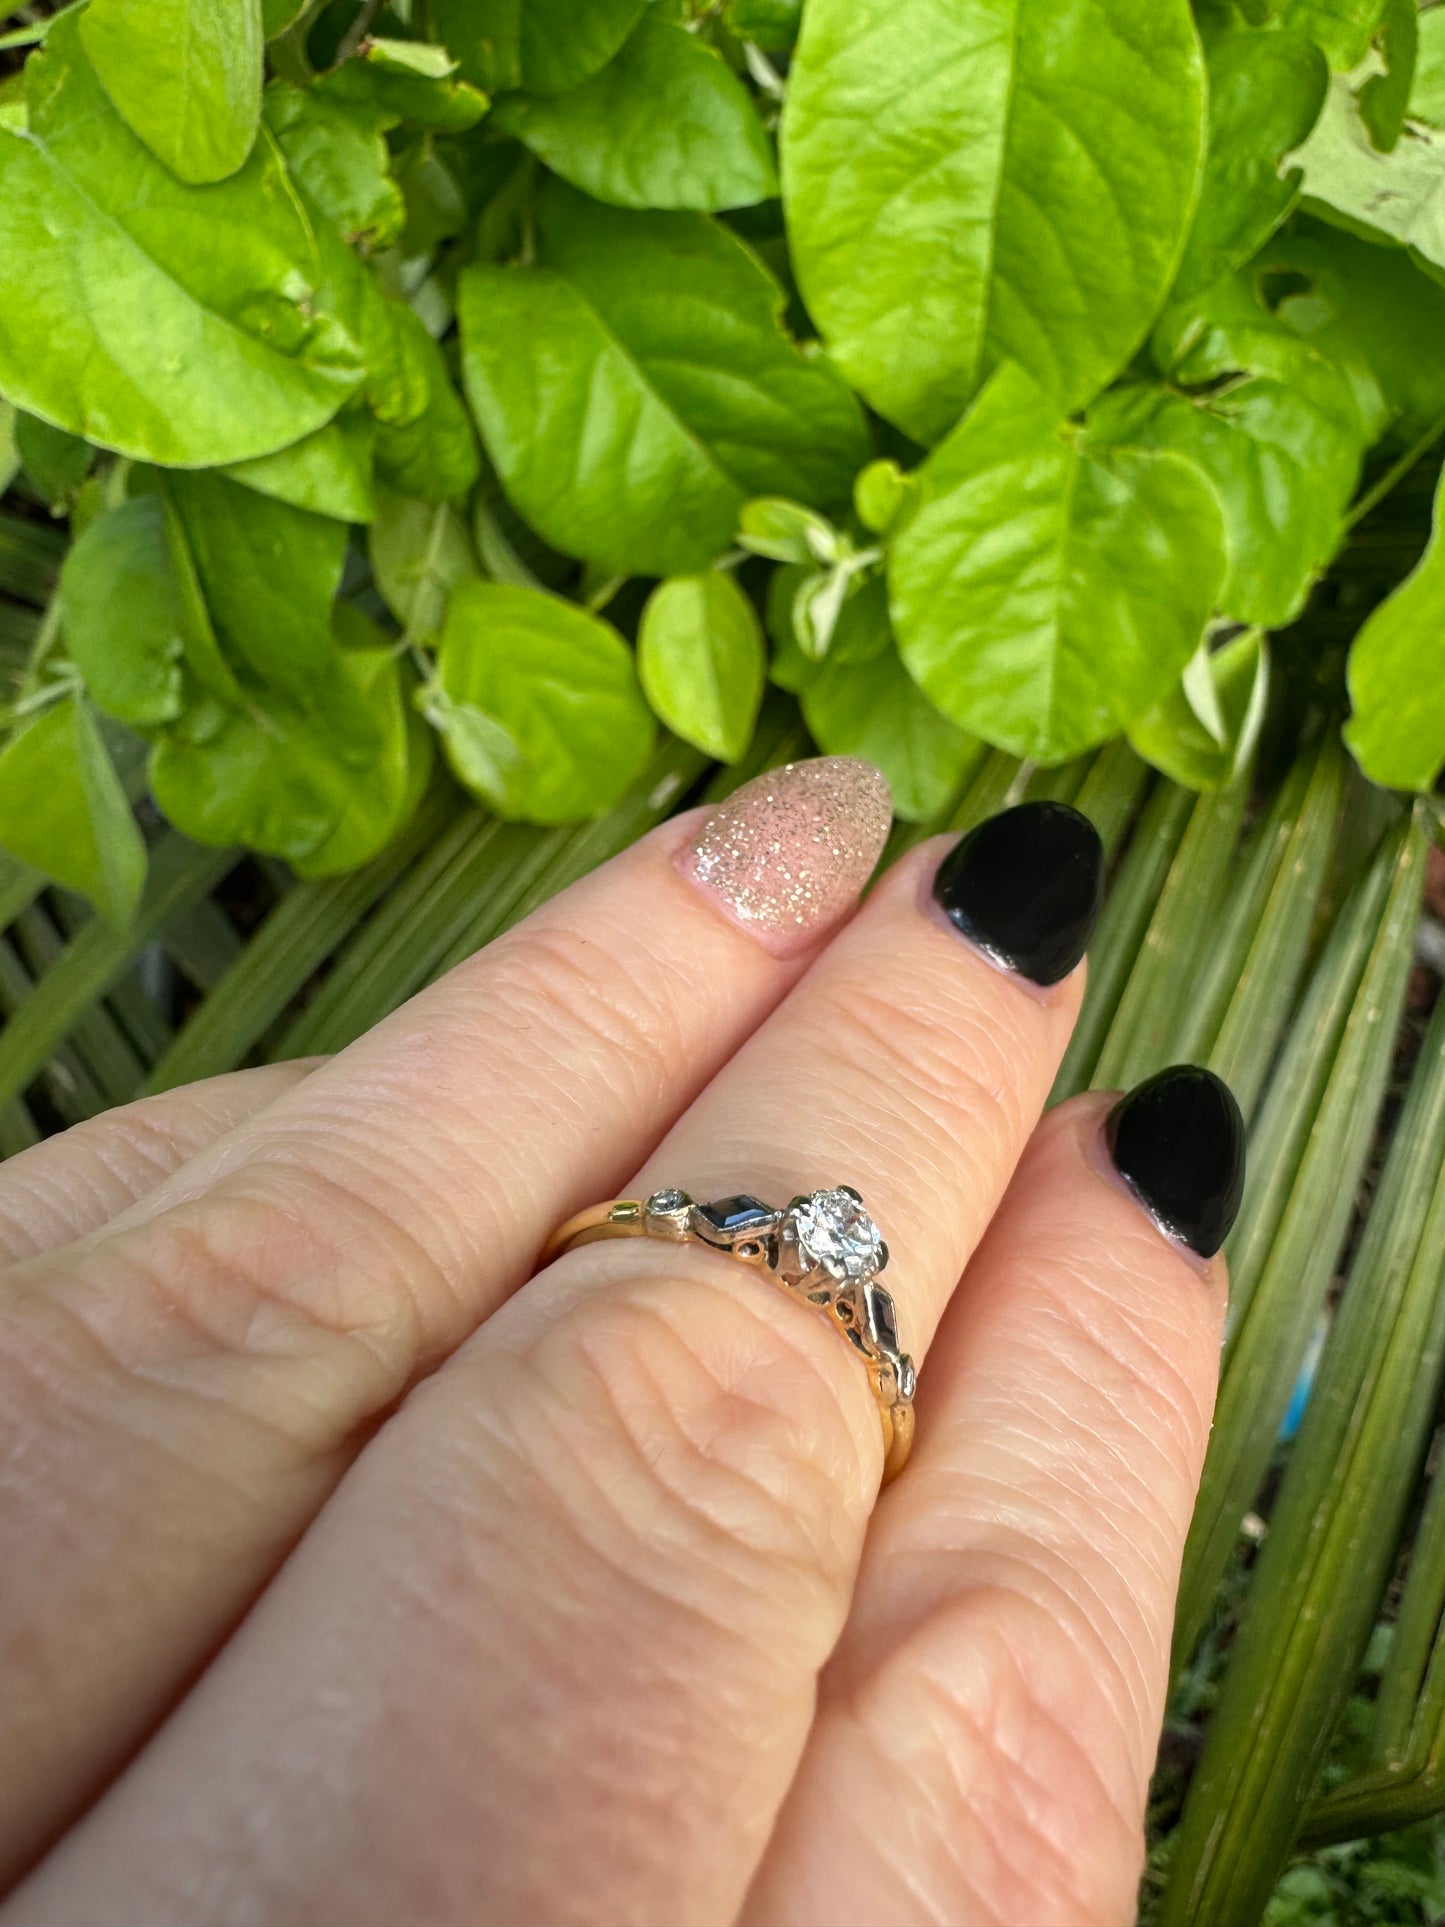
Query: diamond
x=834, y=1231
x=661, y=1203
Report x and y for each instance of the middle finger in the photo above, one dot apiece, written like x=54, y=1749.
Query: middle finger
x=602, y=1555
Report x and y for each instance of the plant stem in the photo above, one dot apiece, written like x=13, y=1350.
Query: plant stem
x=357, y=31
x=1395, y=473
x=46, y=638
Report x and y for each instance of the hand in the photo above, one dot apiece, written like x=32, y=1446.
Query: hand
x=350, y=1576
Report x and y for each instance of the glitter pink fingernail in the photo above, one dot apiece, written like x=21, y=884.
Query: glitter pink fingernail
x=787, y=855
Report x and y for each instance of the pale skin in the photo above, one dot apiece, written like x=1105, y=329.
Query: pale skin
x=354, y=1573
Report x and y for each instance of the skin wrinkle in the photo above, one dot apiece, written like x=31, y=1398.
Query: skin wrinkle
x=1166, y=1421
x=980, y=1685
x=1054, y=1402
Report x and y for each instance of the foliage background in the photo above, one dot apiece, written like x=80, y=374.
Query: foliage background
x=443, y=436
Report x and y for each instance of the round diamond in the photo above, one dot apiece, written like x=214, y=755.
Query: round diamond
x=836, y=1232
x=661, y=1203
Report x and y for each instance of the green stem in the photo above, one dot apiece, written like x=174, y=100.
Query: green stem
x=1395, y=473
x=358, y=30
x=46, y=638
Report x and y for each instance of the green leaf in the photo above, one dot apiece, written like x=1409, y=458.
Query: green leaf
x=277, y=16
x=969, y=185
x=269, y=574
x=55, y=461
x=63, y=810
x=1045, y=592
x=185, y=74
x=787, y=532
x=1427, y=91
x=176, y=324
x=1397, y=731
x=769, y=24
x=1265, y=93
x=561, y=684
x=1343, y=28
x=875, y=710
x=700, y=657
x=1318, y=298
x=485, y=755
x=419, y=552
x=9, y=453
x=859, y=629
x=432, y=456
x=664, y=124
x=436, y=208
x=324, y=784
x=406, y=80
x=1385, y=96
x=882, y=495
x=1204, y=732
x=546, y=46
x=1283, y=459
x=124, y=616
x=1398, y=196
x=14, y=114
x=337, y=152
x=635, y=388
x=328, y=471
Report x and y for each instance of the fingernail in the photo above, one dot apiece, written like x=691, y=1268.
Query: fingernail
x=1177, y=1141
x=1026, y=887
x=787, y=854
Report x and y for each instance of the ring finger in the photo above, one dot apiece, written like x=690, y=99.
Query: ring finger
x=602, y=1555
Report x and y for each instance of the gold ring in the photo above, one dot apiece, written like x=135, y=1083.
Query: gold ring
x=823, y=1249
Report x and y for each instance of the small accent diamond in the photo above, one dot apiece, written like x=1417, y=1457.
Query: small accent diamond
x=836, y=1232
x=661, y=1203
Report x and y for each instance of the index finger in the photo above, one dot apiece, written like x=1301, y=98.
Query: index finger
x=185, y=1387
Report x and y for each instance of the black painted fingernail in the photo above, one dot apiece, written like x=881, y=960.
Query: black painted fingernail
x=1177, y=1140
x=1026, y=887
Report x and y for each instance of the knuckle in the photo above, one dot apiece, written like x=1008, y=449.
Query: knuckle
x=1048, y=1772
x=723, y=1437
x=285, y=1297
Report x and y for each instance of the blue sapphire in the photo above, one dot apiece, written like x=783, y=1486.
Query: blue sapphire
x=882, y=1319
x=734, y=1218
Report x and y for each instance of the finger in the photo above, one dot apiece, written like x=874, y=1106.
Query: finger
x=179, y=1393
x=77, y=1182
x=1000, y=1685
x=602, y=1554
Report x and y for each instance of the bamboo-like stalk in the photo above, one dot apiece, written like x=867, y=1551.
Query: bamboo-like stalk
x=1187, y=910
x=1247, y=977
x=1117, y=940
x=1308, y=1182
x=300, y=933
x=181, y=874
x=1332, y=1536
